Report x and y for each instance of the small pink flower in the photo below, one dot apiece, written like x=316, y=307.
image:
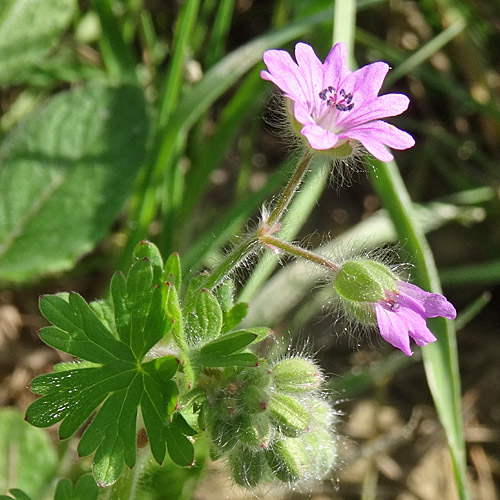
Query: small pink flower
x=336, y=105
x=403, y=315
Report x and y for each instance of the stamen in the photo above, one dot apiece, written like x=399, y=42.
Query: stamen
x=332, y=99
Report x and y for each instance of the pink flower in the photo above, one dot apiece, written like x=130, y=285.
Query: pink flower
x=336, y=105
x=403, y=315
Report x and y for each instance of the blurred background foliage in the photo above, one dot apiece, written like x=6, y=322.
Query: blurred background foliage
x=130, y=119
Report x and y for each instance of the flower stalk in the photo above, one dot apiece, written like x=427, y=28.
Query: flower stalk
x=272, y=223
x=289, y=192
x=279, y=246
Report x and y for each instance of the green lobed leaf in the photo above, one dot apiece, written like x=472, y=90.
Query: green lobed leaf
x=147, y=250
x=17, y=494
x=27, y=457
x=28, y=30
x=205, y=322
x=113, y=372
x=85, y=489
x=67, y=170
x=228, y=344
x=79, y=331
x=180, y=448
x=234, y=316
x=172, y=272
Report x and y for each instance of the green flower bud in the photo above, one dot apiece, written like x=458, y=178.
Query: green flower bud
x=320, y=442
x=289, y=459
x=295, y=375
x=248, y=467
x=255, y=399
x=364, y=281
x=321, y=448
x=224, y=435
x=254, y=430
x=292, y=418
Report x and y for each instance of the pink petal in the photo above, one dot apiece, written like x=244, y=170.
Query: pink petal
x=393, y=328
x=285, y=74
x=382, y=107
x=434, y=304
x=335, y=67
x=366, y=82
x=375, y=135
x=312, y=70
x=416, y=326
x=318, y=137
x=302, y=114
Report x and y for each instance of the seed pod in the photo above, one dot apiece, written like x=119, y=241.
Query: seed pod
x=248, y=466
x=295, y=375
x=292, y=418
x=288, y=459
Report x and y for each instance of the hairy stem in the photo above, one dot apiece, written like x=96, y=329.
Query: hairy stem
x=289, y=192
x=296, y=251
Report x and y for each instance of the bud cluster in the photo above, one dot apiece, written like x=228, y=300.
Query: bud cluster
x=272, y=423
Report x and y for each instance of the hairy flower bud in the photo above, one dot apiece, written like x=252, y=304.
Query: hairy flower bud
x=364, y=281
x=291, y=417
x=271, y=424
x=248, y=466
x=295, y=375
x=370, y=292
x=289, y=459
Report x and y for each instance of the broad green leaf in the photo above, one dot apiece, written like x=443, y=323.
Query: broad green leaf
x=64, y=176
x=85, y=489
x=114, y=375
x=28, y=30
x=228, y=344
x=180, y=422
x=205, y=322
x=27, y=458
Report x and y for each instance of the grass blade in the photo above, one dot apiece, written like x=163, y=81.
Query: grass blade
x=440, y=358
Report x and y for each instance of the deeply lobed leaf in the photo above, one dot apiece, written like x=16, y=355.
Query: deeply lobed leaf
x=114, y=373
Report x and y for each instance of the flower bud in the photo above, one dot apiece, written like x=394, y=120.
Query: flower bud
x=360, y=283
x=292, y=417
x=248, y=466
x=320, y=442
x=254, y=430
x=364, y=281
x=255, y=399
x=289, y=459
x=296, y=375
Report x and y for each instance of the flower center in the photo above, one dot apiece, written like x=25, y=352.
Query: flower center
x=340, y=100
